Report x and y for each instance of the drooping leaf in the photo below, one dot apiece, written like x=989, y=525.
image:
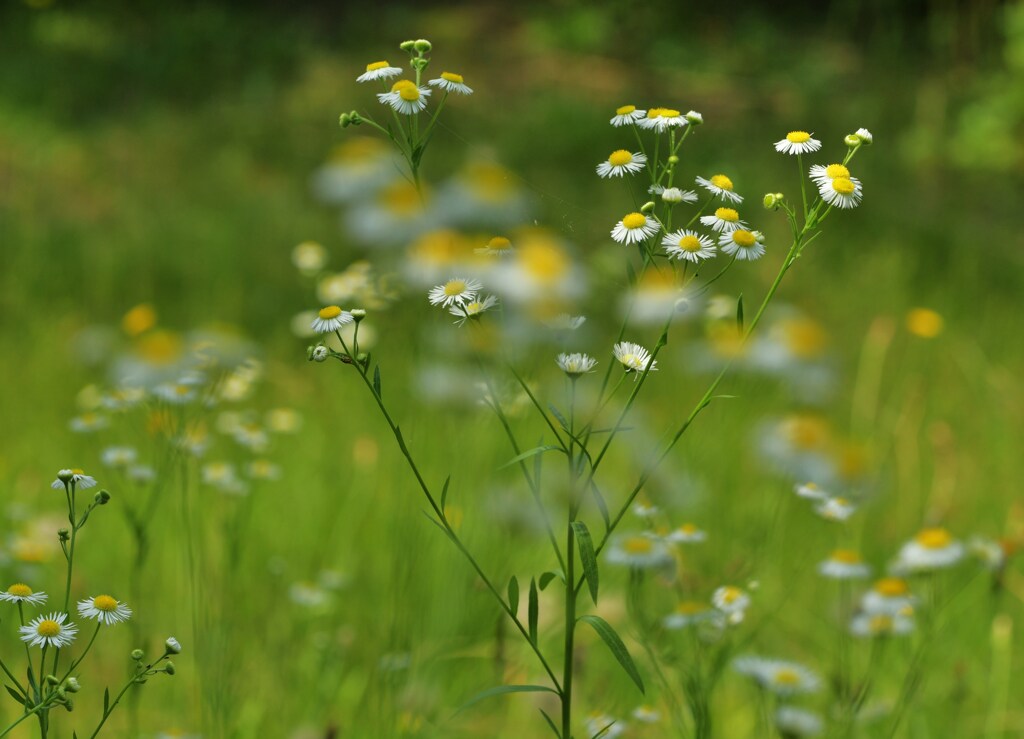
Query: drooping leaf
x=444, y=491
x=587, y=557
x=106, y=701
x=530, y=453
x=503, y=690
x=547, y=577
x=550, y=723
x=618, y=649
x=15, y=694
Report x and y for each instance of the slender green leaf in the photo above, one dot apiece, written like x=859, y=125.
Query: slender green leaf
x=618, y=649
x=739, y=313
x=534, y=610
x=16, y=695
x=547, y=577
x=504, y=690
x=513, y=594
x=602, y=507
x=604, y=731
x=558, y=414
x=376, y=380
x=106, y=701
x=551, y=723
x=529, y=453
x=587, y=556
x=444, y=491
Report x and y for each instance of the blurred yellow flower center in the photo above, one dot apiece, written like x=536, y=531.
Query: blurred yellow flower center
x=690, y=608
x=924, y=323
x=655, y=112
x=746, y=239
x=837, y=170
x=797, y=137
x=843, y=185
x=688, y=528
x=625, y=110
x=638, y=545
x=544, y=260
x=452, y=77
x=804, y=337
x=721, y=181
x=727, y=214
x=20, y=590
x=689, y=243
x=891, y=587
x=807, y=432
x=375, y=66
x=499, y=243
x=786, y=676
x=104, y=603
x=454, y=287
x=880, y=623
x=730, y=594
x=139, y=319
x=331, y=311
x=934, y=538
x=475, y=308
x=620, y=157
x=49, y=627
x=77, y=471
x=634, y=220
x=846, y=556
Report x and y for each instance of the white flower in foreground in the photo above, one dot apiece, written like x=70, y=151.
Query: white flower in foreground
x=792, y=721
x=473, y=309
x=661, y=119
x=627, y=115
x=634, y=357
x=621, y=162
x=104, y=609
x=821, y=175
x=778, y=676
x=637, y=550
x=405, y=97
x=844, y=564
x=575, y=364
x=330, y=319
x=451, y=82
x=378, y=71
x=689, y=246
x=797, y=142
x=22, y=593
x=842, y=192
x=932, y=549
x=81, y=480
x=742, y=244
x=675, y=195
x=723, y=220
x=49, y=631
x=459, y=290
x=721, y=186
x=634, y=227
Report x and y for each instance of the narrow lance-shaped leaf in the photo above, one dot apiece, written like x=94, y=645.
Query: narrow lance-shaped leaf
x=444, y=491
x=618, y=649
x=550, y=723
x=503, y=690
x=534, y=610
x=529, y=453
x=602, y=507
x=513, y=594
x=14, y=694
x=376, y=380
x=739, y=313
x=587, y=556
x=547, y=577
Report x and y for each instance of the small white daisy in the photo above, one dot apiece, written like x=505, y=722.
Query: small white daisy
x=633, y=228
x=472, y=309
x=497, y=246
x=330, y=319
x=688, y=533
x=810, y=491
x=176, y=393
x=688, y=613
x=882, y=624
x=864, y=135
x=103, y=608
x=794, y=722
x=694, y=118
x=22, y=593
x=721, y=186
x=741, y=243
x=575, y=364
x=661, y=119
x=821, y=175
x=993, y=554
x=646, y=714
x=730, y=600
x=932, y=549
x=378, y=71
x=642, y=509
x=835, y=509
x=118, y=456
x=262, y=469
x=675, y=195
x=844, y=564
x=405, y=97
x=621, y=162
x=890, y=595
x=49, y=631
x=81, y=480
x=688, y=245
x=459, y=290
x=627, y=115
x=451, y=82
x=841, y=192
x=88, y=422
x=634, y=357
x=797, y=142
x=778, y=676
x=723, y=220
x=605, y=726
x=637, y=550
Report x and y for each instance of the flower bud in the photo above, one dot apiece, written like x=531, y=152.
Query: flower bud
x=420, y=63
x=672, y=195
x=65, y=476
x=758, y=236
x=51, y=680
x=169, y=668
x=407, y=45
x=354, y=118
x=357, y=314
x=138, y=654
x=694, y=118
x=344, y=120
x=647, y=207
x=853, y=141
x=773, y=200
x=72, y=685
x=172, y=646
x=69, y=705
x=318, y=353
x=63, y=534
x=864, y=135
x=673, y=159
x=422, y=45
x=102, y=497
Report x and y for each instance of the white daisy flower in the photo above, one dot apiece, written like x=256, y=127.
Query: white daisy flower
x=646, y=714
x=118, y=456
x=451, y=82
x=575, y=364
x=661, y=119
x=642, y=509
x=723, y=220
x=262, y=469
x=797, y=142
x=890, y=595
x=459, y=290
x=882, y=624
x=565, y=322
x=694, y=118
x=88, y=422
x=627, y=115
x=637, y=550
x=688, y=245
x=730, y=600
x=497, y=246
x=741, y=243
x=793, y=722
x=81, y=480
x=621, y=162
x=721, y=186
x=821, y=175
x=810, y=491
x=330, y=319
x=675, y=195
x=176, y=393
x=844, y=564
x=472, y=309
x=378, y=71
x=835, y=509
x=222, y=475
x=49, y=631
x=22, y=593
x=993, y=554
x=864, y=135
x=634, y=357
x=688, y=533
x=778, y=676
x=841, y=192
x=103, y=608
x=405, y=97
x=688, y=613
x=932, y=549
x=634, y=227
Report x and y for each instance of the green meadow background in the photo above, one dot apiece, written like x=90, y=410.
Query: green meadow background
x=161, y=153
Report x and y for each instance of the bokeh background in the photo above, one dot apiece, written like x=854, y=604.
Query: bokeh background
x=164, y=154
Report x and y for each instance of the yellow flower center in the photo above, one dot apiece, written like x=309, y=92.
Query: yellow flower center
x=786, y=676
x=638, y=545
x=924, y=323
x=670, y=113
x=727, y=214
x=544, y=260
x=690, y=608
x=625, y=110
x=837, y=170
x=690, y=243
x=843, y=185
x=891, y=587
x=655, y=112
x=746, y=239
x=139, y=319
x=934, y=538
x=453, y=288
x=730, y=594
x=804, y=337
x=634, y=220
x=48, y=628
x=20, y=590
x=373, y=67
x=452, y=77
x=182, y=390
x=797, y=137
x=688, y=528
x=77, y=471
x=104, y=603
x=721, y=181
x=620, y=157
x=807, y=432
x=474, y=308
x=331, y=311
x=410, y=93
x=880, y=623
x=846, y=556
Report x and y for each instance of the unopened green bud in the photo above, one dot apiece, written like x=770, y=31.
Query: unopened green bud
x=69, y=705
x=169, y=668
x=758, y=236
x=357, y=314
x=318, y=353
x=422, y=45
x=51, y=680
x=102, y=497
x=344, y=120
x=62, y=694
x=420, y=63
x=773, y=200
x=172, y=646
x=853, y=141
x=673, y=159
x=63, y=534
x=354, y=118
x=72, y=685
x=407, y=45
x=138, y=654
x=647, y=207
